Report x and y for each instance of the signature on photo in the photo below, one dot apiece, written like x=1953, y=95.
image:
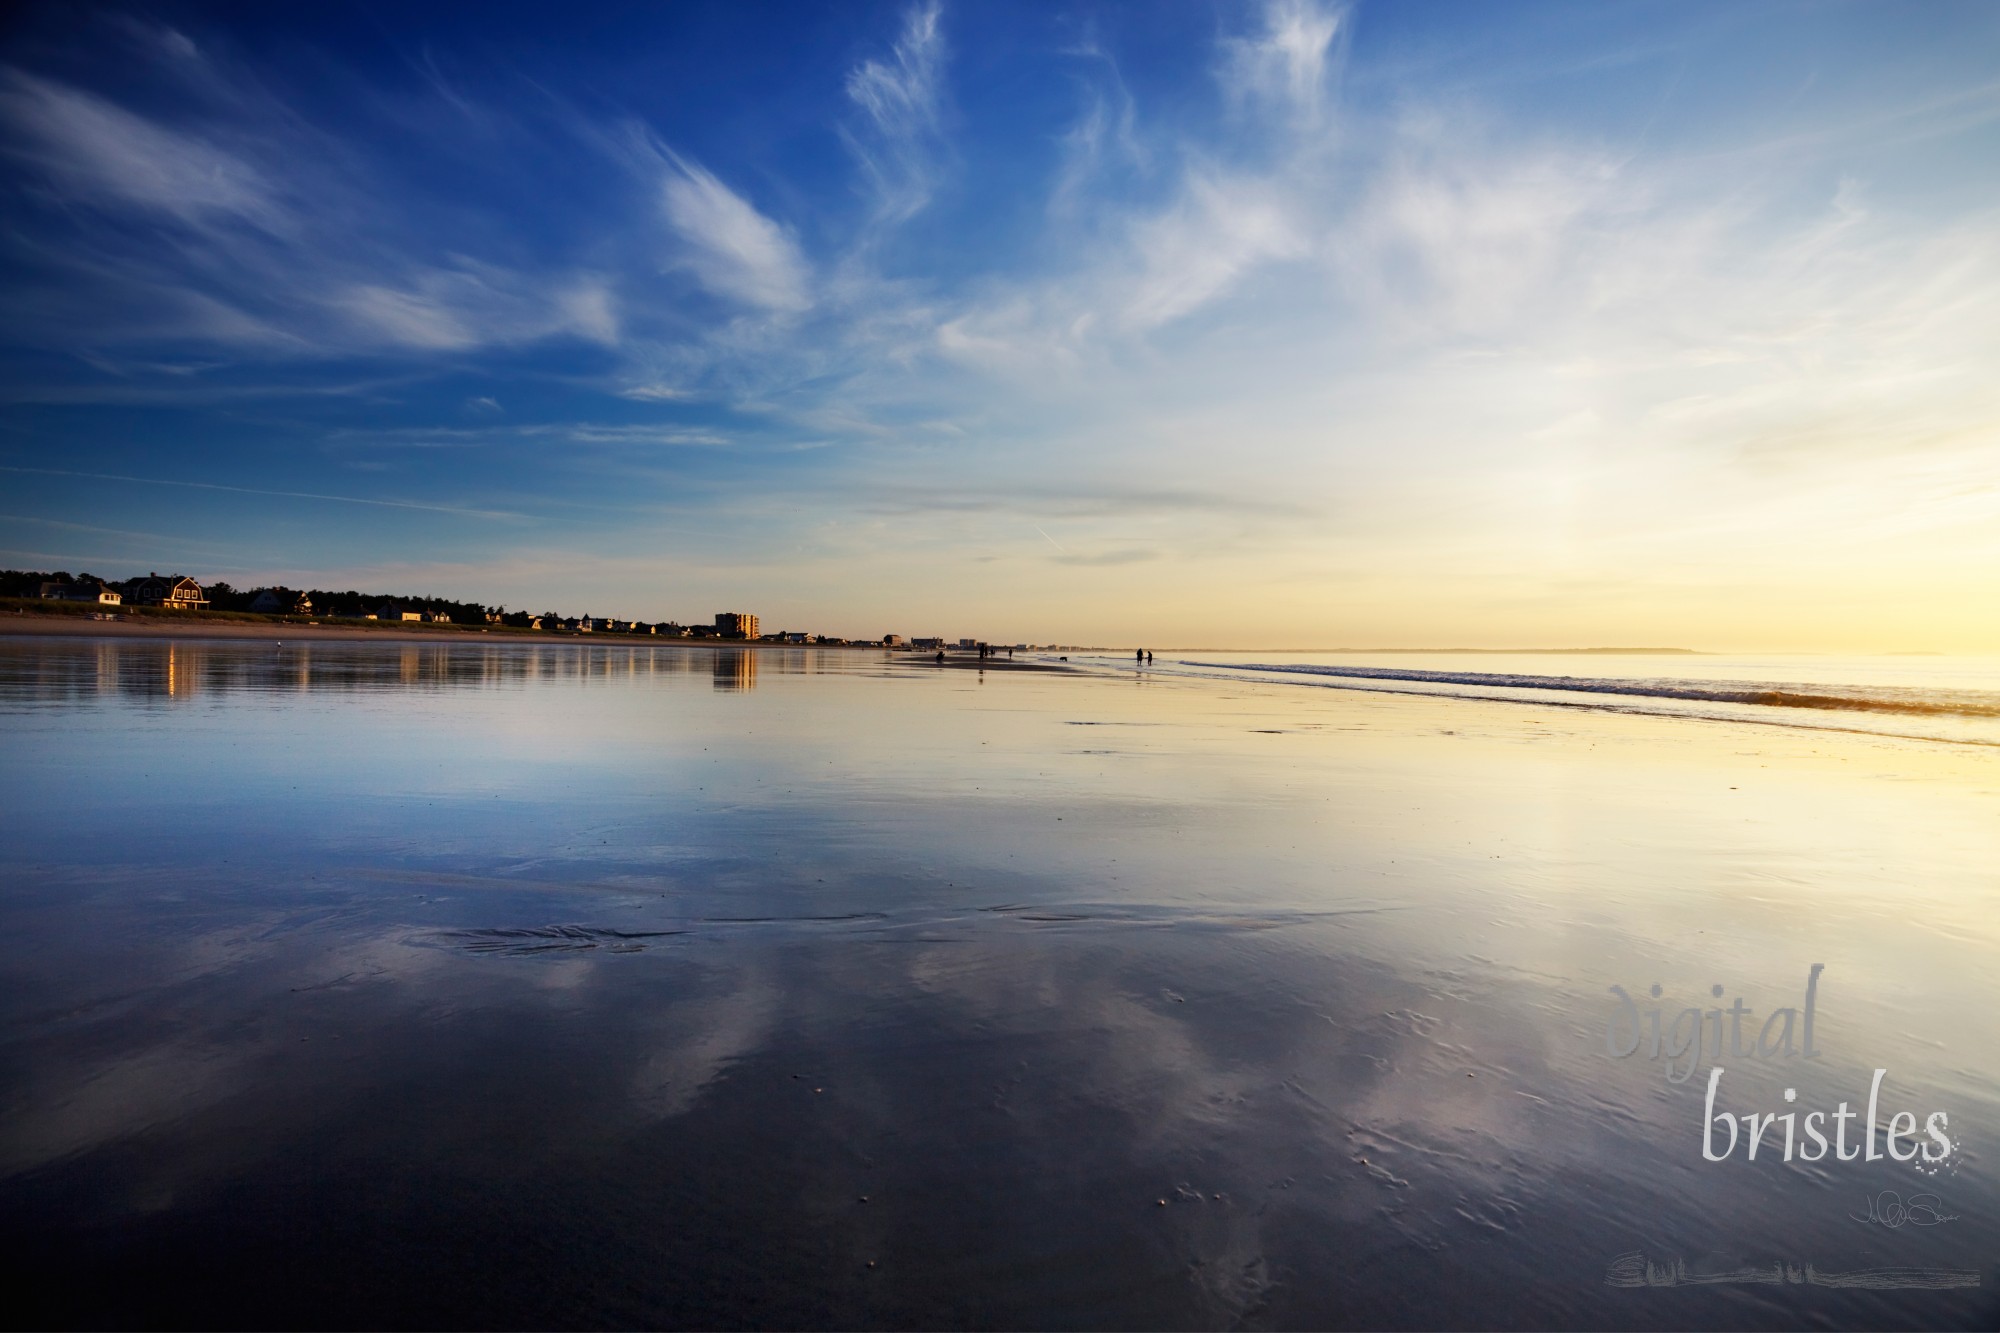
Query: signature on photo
x=1888, y=1209
x=1634, y=1269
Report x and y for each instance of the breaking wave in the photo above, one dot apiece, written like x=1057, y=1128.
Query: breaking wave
x=1904, y=702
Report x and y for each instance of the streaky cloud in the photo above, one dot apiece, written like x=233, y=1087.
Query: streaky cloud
x=99, y=153
x=1284, y=68
x=258, y=490
x=1126, y=557
x=732, y=249
x=901, y=97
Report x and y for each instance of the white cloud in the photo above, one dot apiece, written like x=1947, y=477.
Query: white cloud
x=586, y=308
x=1455, y=234
x=901, y=96
x=1284, y=68
x=733, y=250
x=1105, y=134
x=287, y=245
x=105, y=154
x=474, y=305
x=406, y=318
x=1220, y=230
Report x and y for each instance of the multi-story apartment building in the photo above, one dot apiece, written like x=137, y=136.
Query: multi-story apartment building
x=735, y=625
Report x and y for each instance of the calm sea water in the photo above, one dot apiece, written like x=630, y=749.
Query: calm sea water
x=359, y=984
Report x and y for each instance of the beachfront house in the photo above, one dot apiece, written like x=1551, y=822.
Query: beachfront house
x=281, y=602
x=172, y=591
x=91, y=591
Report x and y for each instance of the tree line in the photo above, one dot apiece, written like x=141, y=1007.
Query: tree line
x=325, y=601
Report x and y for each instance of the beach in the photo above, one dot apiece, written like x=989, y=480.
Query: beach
x=521, y=984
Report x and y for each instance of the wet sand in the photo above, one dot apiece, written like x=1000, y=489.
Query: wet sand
x=506, y=985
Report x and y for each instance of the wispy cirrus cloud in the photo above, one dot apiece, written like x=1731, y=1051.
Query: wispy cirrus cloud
x=1283, y=69
x=1220, y=229
x=94, y=151
x=901, y=97
x=471, y=305
x=282, y=242
x=733, y=250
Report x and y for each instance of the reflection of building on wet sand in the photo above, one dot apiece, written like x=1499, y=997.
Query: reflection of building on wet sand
x=169, y=671
x=181, y=670
x=735, y=670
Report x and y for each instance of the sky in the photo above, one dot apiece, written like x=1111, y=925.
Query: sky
x=1282, y=324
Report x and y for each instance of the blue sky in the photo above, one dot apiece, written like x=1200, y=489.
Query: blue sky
x=1286, y=324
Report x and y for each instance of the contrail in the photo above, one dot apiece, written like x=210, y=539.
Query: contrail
x=1051, y=540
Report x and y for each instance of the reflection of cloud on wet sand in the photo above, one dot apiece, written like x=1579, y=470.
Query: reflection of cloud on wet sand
x=199, y=1053
x=1222, y=1109
x=695, y=1040
x=77, y=1109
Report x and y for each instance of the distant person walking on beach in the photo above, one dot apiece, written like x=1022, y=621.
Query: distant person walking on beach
x=940, y=657
x=1140, y=656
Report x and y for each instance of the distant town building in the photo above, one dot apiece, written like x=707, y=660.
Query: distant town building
x=892, y=641
x=968, y=643
x=735, y=625
x=173, y=590
x=927, y=643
